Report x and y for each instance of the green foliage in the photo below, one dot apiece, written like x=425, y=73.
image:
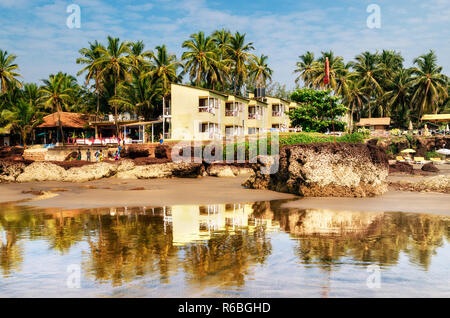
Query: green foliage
x=317, y=111
x=364, y=131
x=433, y=154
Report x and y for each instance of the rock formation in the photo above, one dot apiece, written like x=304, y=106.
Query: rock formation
x=325, y=169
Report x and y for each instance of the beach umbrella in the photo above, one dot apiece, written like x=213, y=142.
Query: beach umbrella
x=408, y=151
x=444, y=151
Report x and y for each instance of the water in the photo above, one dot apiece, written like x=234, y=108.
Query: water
x=233, y=250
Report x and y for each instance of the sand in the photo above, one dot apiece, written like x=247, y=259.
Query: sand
x=207, y=190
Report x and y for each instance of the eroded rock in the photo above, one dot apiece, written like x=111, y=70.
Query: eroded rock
x=42, y=171
x=324, y=169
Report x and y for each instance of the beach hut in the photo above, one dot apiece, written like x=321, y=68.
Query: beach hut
x=376, y=125
x=72, y=124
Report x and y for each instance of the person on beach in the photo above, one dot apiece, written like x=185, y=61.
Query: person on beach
x=100, y=156
x=97, y=155
x=79, y=154
x=161, y=139
x=120, y=150
x=88, y=155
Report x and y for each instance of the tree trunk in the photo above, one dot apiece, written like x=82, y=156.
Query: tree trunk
x=115, y=111
x=24, y=138
x=98, y=96
x=60, y=123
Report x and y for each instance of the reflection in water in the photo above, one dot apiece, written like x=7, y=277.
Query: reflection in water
x=216, y=246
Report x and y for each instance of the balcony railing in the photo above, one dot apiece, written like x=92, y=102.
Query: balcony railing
x=277, y=114
x=110, y=118
x=254, y=116
x=207, y=109
x=231, y=113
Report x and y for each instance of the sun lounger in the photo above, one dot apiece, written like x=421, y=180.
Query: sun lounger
x=436, y=160
x=400, y=159
x=419, y=160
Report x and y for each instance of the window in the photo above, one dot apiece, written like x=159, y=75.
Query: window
x=277, y=110
x=208, y=105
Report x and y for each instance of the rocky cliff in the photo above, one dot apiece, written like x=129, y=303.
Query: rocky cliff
x=325, y=169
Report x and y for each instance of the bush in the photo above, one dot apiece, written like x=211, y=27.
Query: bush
x=364, y=131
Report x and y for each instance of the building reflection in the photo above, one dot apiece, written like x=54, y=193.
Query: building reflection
x=216, y=244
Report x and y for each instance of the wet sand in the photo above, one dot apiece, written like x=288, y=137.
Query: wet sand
x=207, y=190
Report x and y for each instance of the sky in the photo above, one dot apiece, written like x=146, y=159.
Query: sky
x=37, y=32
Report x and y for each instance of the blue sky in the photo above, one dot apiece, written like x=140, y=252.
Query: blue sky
x=36, y=30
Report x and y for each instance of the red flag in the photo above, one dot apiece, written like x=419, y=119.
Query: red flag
x=326, y=79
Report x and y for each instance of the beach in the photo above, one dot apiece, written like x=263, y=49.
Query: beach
x=207, y=190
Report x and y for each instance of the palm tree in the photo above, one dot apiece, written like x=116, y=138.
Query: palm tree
x=164, y=70
x=139, y=58
x=7, y=71
x=260, y=71
x=140, y=95
x=390, y=62
x=56, y=93
x=336, y=64
x=238, y=52
x=305, y=68
x=90, y=57
x=397, y=96
x=354, y=99
x=114, y=60
x=368, y=73
x=31, y=93
x=429, y=85
x=222, y=39
x=200, y=56
x=23, y=116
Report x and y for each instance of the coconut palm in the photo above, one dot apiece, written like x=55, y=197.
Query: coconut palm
x=140, y=95
x=139, y=58
x=238, y=52
x=222, y=40
x=391, y=62
x=23, y=116
x=336, y=64
x=8, y=71
x=165, y=68
x=260, y=71
x=354, y=100
x=56, y=94
x=114, y=60
x=368, y=72
x=397, y=96
x=200, y=56
x=90, y=57
x=429, y=85
x=305, y=68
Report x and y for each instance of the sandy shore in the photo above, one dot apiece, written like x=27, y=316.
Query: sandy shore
x=207, y=190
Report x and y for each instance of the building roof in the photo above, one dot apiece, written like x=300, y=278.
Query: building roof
x=436, y=117
x=68, y=120
x=5, y=130
x=143, y=123
x=382, y=121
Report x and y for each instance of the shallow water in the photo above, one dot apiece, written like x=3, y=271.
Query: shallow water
x=233, y=250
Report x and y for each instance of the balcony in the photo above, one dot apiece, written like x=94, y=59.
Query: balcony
x=277, y=113
x=254, y=116
x=207, y=109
